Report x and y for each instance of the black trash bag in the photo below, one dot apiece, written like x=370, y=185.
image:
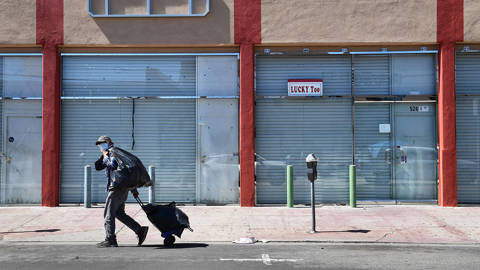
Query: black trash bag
x=130, y=173
x=167, y=218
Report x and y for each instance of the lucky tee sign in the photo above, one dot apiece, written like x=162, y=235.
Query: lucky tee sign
x=305, y=87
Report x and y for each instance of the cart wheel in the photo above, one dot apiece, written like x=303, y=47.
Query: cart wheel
x=168, y=242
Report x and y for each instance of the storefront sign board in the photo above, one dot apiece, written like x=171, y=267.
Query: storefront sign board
x=305, y=87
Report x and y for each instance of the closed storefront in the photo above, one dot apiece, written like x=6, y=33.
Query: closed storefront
x=289, y=128
x=378, y=110
x=21, y=128
x=219, y=97
x=395, y=126
x=153, y=106
x=468, y=126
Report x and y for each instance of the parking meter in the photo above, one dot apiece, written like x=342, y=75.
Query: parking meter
x=312, y=176
x=312, y=167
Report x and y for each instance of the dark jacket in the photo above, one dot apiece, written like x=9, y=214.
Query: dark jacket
x=110, y=164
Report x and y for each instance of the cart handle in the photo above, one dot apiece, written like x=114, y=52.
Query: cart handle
x=139, y=201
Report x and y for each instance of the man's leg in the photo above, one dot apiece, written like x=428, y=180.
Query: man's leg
x=124, y=218
x=111, y=207
x=114, y=202
x=130, y=222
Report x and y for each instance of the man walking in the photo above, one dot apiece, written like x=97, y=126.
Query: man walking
x=115, y=204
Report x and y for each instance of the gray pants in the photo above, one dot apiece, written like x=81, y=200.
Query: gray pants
x=115, y=208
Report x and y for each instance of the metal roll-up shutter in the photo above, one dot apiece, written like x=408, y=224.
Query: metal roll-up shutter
x=272, y=73
x=467, y=83
x=467, y=67
x=372, y=75
x=83, y=121
x=98, y=93
x=373, y=172
x=165, y=137
x=287, y=130
x=2, y=71
x=1, y=141
x=121, y=76
x=468, y=148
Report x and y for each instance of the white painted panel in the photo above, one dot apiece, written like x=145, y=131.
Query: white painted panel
x=22, y=76
x=22, y=158
x=218, y=135
x=217, y=75
x=414, y=74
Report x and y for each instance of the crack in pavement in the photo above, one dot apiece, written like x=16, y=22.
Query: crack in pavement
x=21, y=225
x=451, y=229
x=387, y=234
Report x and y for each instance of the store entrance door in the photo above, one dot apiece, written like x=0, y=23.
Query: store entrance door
x=414, y=152
x=23, y=160
x=396, y=152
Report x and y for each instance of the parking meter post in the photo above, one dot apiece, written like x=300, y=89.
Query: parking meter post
x=313, y=208
x=312, y=176
x=87, y=186
x=353, y=185
x=151, y=189
x=289, y=186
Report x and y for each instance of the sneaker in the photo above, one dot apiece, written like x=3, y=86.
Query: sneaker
x=107, y=243
x=142, y=235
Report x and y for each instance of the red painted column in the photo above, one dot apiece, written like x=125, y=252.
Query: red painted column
x=247, y=126
x=247, y=27
x=449, y=31
x=447, y=187
x=50, y=34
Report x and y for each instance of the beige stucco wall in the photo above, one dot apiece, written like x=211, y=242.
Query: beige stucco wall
x=18, y=21
x=472, y=20
x=215, y=28
x=339, y=21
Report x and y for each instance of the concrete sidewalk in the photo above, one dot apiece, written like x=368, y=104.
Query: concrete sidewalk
x=369, y=223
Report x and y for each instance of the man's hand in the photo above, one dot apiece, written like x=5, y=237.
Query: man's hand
x=135, y=193
x=105, y=153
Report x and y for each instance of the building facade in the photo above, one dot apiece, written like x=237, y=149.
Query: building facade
x=199, y=90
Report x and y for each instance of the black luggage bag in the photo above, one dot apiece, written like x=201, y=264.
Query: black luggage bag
x=168, y=219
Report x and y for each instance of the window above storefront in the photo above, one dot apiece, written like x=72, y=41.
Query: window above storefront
x=148, y=8
x=21, y=76
x=368, y=74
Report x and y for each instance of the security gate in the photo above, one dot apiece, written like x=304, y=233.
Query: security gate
x=153, y=106
x=468, y=126
x=395, y=151
x=288, y=129
x=396, y=165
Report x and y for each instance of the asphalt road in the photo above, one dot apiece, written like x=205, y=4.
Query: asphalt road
x=201, y=256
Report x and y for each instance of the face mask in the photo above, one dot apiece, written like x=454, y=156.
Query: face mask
x=103, y=147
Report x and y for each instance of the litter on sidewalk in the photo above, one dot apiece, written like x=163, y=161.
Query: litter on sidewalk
x=245, y=240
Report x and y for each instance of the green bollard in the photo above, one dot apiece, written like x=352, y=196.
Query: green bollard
x=290, y=186
x=353, y=186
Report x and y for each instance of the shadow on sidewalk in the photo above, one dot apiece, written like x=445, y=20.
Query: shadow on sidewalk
x=46, y=230
x=348, y=231
x=179, y=245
